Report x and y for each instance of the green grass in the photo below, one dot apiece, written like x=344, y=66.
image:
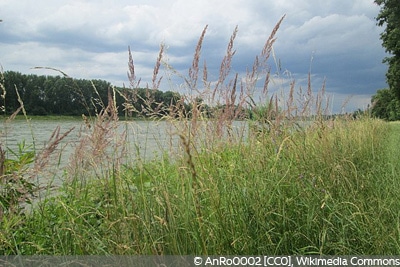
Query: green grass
x=324, y=190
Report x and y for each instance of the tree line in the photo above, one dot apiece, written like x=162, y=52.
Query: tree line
x=65, y=96
x=59, y=95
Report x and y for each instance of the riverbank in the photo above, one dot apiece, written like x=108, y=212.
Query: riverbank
x=328, y=189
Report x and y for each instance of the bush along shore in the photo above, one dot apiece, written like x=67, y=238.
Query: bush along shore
x=290, y=181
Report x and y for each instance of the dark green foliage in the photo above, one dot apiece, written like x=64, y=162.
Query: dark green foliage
x=389, y=17
x=52, y=95
x=56, y=95
x=385, y=105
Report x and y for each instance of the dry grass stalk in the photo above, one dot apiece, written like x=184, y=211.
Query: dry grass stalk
x=210, y=121
x=194, y=69
x=261, y=67
x=99, y=144
x=225, y=67
x=290, y=102
x=14, y=114
x=196, y=187
x=227, y=100
x=42, y=159
x=151, y=108
x=131, y=73
x=271, y=39
x=156, y=83
x=266, y=52
x=21, y=177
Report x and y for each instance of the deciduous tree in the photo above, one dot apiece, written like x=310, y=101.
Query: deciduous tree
x=385, y=105
x=389, y=17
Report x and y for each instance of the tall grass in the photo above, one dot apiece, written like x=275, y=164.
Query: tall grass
x=281, y=184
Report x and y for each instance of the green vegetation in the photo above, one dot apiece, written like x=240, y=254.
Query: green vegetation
x=389, y=17
x=386, y=103
x=281, y=184
x=16, y=186
x=328, y=189
x=56, y=95
x=65, y=96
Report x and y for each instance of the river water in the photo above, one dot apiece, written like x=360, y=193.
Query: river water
x=147, y=135
x=139, y=139
x=90, y=146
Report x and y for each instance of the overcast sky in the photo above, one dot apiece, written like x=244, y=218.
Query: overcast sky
x=337, y=39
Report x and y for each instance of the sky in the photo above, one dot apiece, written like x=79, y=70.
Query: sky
x=337, y=41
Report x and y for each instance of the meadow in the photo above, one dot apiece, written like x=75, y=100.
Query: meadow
x=291, y=181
